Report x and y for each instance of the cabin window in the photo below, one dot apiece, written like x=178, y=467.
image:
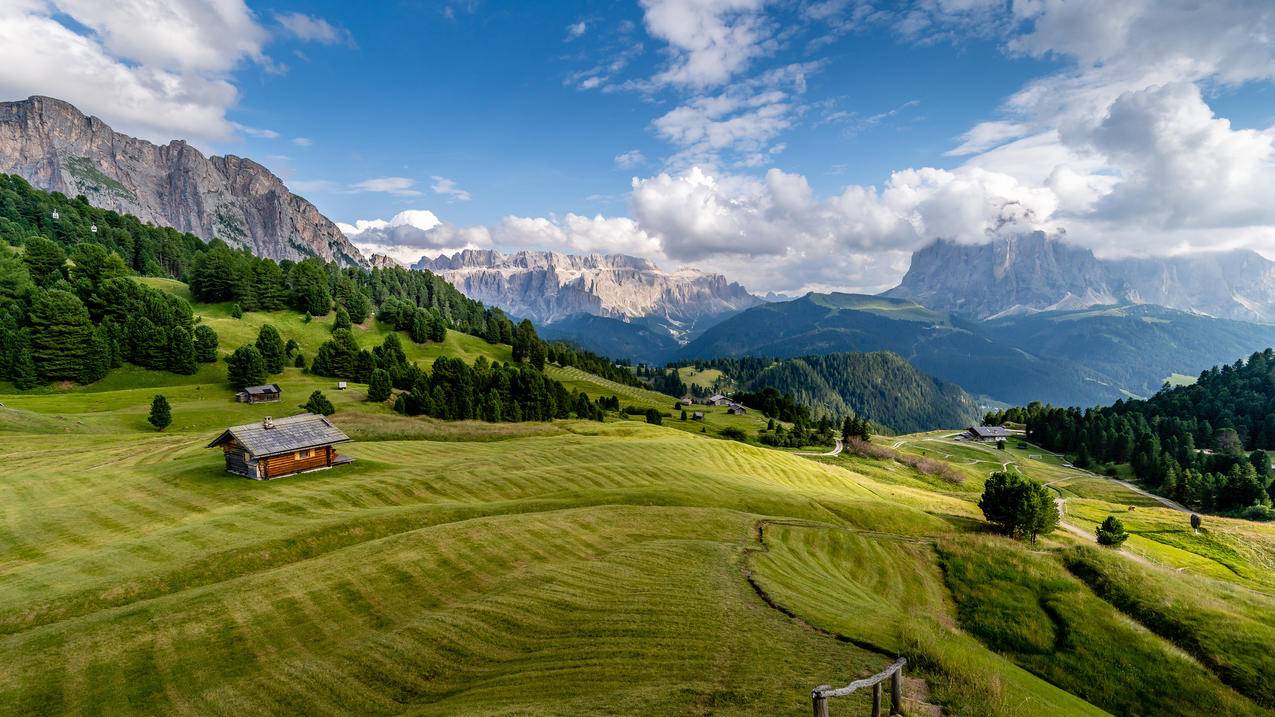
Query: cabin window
x=303, y=454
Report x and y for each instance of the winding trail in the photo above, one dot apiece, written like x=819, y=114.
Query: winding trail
x=834, y=452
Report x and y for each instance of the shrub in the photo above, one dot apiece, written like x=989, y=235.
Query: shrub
x=1258, y=512
x=1112, y=532
x=733, y=433
x=653, y=416
x=236, y=312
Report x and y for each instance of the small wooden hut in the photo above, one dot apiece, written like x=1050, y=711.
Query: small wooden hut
x=271, y=448
x=260, y=394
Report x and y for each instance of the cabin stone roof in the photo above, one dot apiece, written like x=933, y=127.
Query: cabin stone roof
x=259, y=390
x=284, y=435
x=989, y=432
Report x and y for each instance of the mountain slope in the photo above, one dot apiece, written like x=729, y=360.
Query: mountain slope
x=54, y=146
x=1067, y=358
x=880, y=386
x=613, y=337
x=548, y=287
x=1036, y=272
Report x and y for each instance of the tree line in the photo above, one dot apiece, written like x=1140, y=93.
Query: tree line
x=1204, y=445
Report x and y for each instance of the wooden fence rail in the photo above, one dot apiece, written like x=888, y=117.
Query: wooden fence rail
x=819, y=695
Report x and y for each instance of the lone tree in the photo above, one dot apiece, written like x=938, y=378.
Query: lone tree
x=319, y=404
x=1112, y=532
x=653, y=416
x=245, y=367
x=236, y=312
x=378, y=388
x=342, y=320
x=161, y=413
x=1018, y=506
x=683, y=416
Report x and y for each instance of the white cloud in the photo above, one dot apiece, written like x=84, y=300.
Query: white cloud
x=302, y=141
x=256, y=132
x=988, y=135
x=630, y=159
x=709, y=40
x=154, y=69
x=398, y=186
x=308, y=28
x=576, y=29
x=403, y=237
x=448, y=188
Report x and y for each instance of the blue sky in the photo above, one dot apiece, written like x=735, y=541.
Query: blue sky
x=791, y=144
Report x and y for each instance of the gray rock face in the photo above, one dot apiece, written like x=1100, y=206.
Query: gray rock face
x=55, y=147
x=1040, y=273
x=547, y=287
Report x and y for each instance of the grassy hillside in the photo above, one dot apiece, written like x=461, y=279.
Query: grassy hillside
x=563, y=568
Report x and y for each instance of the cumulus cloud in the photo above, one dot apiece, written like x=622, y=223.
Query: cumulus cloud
x=576, y=29
x=709, y=40
x=405, y=236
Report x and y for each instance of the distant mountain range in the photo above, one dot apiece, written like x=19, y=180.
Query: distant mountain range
x=620, y=301
x=1084, y=357
x=1036, y=272
x=56, y=147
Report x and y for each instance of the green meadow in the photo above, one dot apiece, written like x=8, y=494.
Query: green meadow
x=577, y=567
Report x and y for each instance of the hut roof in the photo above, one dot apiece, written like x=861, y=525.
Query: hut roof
x=989, y=431
x=269, y=438
x=268, y=388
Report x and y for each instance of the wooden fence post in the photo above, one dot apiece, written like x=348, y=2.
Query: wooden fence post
x=896, y=692
x=819, y=702
x=876, y=700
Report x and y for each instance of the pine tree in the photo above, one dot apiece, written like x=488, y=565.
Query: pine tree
x=318, y=403
x=60, y=334
x=45, y=260
x=1112, y=532
x=378, y=387
x=161, y=413
x=181, y=351
x=22, y=372
x=236, y=312
x=245, y=367
x=270, y=345
x=536, y=354
x=300, y=361
x=205, y=342
x=342, y=320
x=97, y=358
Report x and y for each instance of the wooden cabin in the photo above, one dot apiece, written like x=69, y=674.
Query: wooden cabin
x=986, y=433
x=736, y=410
x=271, y=448
x=260, y=394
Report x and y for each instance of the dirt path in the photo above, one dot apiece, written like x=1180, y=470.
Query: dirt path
x=834, y=452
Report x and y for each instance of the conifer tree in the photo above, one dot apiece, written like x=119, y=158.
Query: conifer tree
x=205, y=341
x=45, y=260
x=378, y=387
x=161, y=413
x=97, y=358
x=245, y=367
x=318, y=403
x=181, y=351
x=270, y=345
x=342, y=320
x=60, y=334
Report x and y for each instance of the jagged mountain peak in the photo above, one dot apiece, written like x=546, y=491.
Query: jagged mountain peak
x=549, y=286
x=1038, y=272
x=54, y=146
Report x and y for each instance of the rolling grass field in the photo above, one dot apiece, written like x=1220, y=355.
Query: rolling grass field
x=575, y=567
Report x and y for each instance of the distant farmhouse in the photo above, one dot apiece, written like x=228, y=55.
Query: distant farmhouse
x=697, y=416
x=986, y=433
x=718, y=399
x=271, y=448
x=736, y=409
x=260, y=394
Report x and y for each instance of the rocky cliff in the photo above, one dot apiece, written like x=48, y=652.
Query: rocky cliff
x=1036, y=272
x=54, y=146
x=547, y=287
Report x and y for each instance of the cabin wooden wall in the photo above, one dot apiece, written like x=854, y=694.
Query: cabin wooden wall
x=275, y=466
